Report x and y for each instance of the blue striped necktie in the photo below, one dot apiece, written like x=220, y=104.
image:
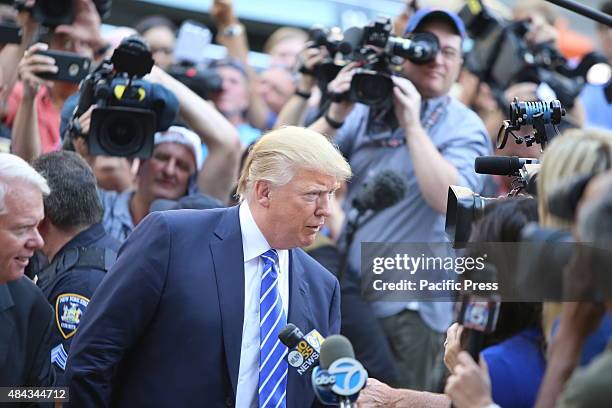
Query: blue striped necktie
x=272, y=365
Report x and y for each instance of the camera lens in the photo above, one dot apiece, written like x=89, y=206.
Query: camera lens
x=122, y=134
x=372, y=89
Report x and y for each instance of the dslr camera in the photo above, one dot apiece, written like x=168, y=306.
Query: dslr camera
x=379, y=55
x=129, y=109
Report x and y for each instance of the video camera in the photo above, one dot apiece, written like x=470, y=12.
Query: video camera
x=501, y=56
x=52, y=13
x=463, y=205
x=129, y=109
x=378, y=53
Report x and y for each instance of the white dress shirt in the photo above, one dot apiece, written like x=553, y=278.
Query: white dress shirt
x=254, y=244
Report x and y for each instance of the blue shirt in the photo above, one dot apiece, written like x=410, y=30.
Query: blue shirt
x=597, y=109
x=371, y=147
x=516, y=368
x=117, y=219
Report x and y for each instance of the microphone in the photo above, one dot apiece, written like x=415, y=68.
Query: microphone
x=479, y=311
x=304, y=349
x=383, y=190
x=501, y=165
x=340, y=377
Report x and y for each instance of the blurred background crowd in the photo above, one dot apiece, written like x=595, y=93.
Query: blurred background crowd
x=136, y=106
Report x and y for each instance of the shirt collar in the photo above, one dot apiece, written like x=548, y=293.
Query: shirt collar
x=253, y=241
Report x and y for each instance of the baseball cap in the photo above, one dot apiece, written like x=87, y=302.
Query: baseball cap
x=184, y=136
x=428, y=12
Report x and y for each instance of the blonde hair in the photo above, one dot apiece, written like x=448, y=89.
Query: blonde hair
x=278, y=155
x=15, y=168
x=575, y=152
x=283, y=34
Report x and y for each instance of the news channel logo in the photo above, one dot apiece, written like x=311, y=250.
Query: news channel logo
x=349, y=376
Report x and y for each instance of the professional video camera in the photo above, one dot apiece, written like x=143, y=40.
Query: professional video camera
x=501, y=56
x=129, y=109
x=463, y=205
x=52, y=13
x=378, y=54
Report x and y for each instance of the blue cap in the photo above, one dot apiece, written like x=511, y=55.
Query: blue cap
x=427, y=12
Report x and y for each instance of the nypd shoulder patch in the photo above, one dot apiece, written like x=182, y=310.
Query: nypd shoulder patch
x=69, y=307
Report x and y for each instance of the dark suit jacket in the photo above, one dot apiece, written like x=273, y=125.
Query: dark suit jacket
x=165, y=326
x=26, y=322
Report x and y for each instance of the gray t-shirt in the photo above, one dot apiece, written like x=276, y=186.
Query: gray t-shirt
x=458, y=134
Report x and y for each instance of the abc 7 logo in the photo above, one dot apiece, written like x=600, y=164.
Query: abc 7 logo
x=350, y=376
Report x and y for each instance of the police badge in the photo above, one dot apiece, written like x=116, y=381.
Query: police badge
x=69, y=307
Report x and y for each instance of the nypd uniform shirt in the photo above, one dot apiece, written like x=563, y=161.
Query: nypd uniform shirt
x=70, y=286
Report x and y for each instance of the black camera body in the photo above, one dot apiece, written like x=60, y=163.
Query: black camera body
x=129, y=109
x=378, y=53
x=372, y=84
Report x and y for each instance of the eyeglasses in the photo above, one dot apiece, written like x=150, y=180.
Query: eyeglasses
x=450, y=54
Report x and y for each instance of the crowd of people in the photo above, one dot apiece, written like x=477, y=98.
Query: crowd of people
x=105, y=291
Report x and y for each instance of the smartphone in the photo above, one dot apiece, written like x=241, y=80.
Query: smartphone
x=72, y=67
x=191, y=42
x=10, y=33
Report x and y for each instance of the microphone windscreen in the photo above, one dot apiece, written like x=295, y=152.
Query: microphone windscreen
x=333, y=348
x=500, y=165
x=383, y=190
x=290, y=335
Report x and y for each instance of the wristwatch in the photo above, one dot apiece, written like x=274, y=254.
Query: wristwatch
x=232, y=30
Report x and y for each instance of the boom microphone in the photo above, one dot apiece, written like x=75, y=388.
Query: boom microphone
x=303, y=349
x=501, y=165
x=385, y=189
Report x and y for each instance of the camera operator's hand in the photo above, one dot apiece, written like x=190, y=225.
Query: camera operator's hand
x=469, y=386
x=32, y=64
x=85, y=120
x=85, y=29
x=452, y=346
x=341, y=84
x=407, y=103
x=222, y=13
x=541, y=32
x=308, y=59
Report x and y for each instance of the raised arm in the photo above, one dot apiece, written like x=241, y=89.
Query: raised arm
x=220, y=170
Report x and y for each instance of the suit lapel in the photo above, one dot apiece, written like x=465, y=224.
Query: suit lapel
x=228, y=262
x=6, y=322
x=300, y=315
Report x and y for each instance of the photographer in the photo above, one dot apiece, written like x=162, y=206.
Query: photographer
x=34, y=104
x=78, y=249
x=435, y=146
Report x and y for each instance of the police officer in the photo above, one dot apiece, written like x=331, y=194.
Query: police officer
x=77, y=247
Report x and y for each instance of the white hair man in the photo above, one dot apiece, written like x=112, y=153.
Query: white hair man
x=25, y=315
